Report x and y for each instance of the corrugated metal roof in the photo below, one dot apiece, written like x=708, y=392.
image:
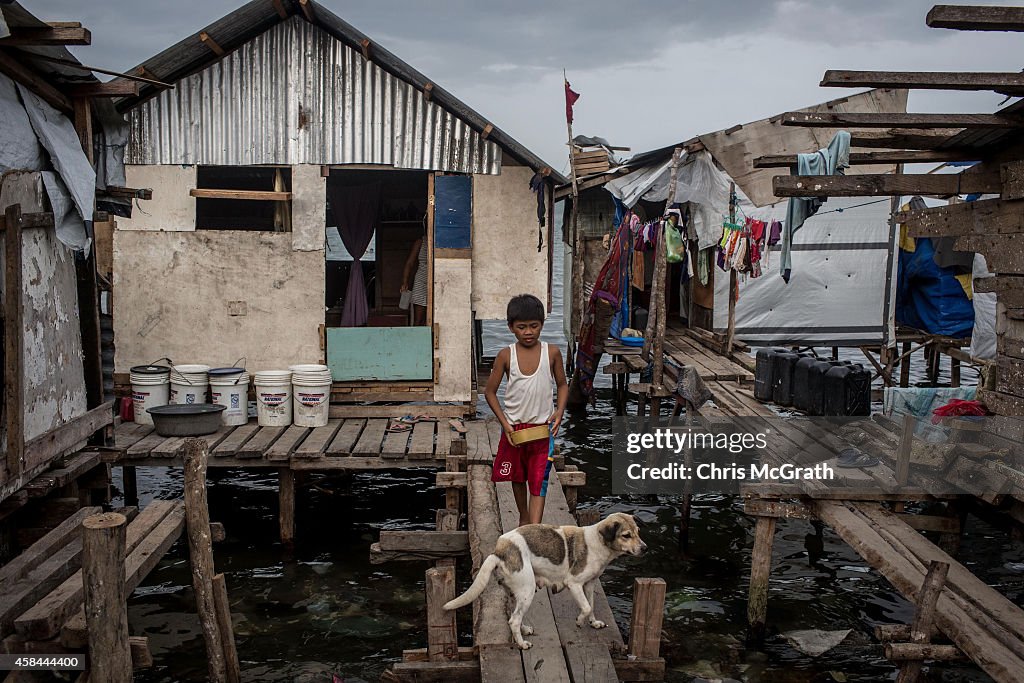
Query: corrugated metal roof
x=233, y=31
x=295, y=95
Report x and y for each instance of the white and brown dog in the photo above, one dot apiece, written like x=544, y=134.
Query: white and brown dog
x=539, y=555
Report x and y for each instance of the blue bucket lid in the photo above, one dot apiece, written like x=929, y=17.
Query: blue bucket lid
x=224, y=372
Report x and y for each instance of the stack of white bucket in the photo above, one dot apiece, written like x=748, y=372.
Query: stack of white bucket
x=150, y=388
x=189, y=384
x=273, y=397
x=311, y=386
x=229, y=387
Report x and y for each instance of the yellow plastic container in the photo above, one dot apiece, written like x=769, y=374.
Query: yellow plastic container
x=529, y=434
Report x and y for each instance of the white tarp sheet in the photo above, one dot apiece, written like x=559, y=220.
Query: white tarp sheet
x=36, y=137
x=837, y=294
x=983, y=336
x=698, y=181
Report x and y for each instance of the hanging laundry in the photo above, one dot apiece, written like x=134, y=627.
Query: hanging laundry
x=774, y=233
x=832, y=160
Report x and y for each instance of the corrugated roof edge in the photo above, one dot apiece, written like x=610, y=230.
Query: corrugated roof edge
x=236, y=28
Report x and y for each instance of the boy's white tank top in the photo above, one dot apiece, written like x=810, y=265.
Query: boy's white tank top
x=528, y=397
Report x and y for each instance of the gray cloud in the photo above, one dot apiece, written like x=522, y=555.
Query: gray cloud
x=651, y=73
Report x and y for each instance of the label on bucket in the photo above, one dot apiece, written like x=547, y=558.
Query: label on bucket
x=310, y=398
x=273, y=399
x=140, y=396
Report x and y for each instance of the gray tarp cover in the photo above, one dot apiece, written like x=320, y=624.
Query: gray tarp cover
x=39, y=138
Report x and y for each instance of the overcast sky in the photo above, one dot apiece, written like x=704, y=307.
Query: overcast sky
x=651, y=73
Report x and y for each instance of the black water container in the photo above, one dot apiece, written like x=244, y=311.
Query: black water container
x=858, y=395
x=816, y=385
x=802, y=398
x=837, y=381
x=764, y=379
x=783, y=365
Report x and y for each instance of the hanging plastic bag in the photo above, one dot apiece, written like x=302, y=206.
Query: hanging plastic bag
x=675, y=246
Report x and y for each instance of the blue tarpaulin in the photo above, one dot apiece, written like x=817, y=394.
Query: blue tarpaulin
x=930, y=298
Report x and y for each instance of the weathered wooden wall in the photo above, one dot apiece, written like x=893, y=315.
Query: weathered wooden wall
x=453, y=320
x=506, y=261
x=212, y=296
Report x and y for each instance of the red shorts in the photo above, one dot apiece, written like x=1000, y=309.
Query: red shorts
x=526, y=463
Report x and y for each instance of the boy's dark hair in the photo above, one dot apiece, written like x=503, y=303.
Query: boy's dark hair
x=524, y=307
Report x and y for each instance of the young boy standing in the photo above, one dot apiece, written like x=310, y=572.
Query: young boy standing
x=534, y=369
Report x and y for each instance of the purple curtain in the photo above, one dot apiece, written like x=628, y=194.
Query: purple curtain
x=355, y=212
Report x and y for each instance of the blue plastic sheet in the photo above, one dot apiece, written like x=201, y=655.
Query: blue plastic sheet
x=930, y=298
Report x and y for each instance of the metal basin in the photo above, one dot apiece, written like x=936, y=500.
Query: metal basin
x=194, y=419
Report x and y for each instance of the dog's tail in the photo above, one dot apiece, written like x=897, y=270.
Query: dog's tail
x=483, y=577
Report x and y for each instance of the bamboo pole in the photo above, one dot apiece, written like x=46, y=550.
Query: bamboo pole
x=197, y=519
x=733, y=282
x=106, y=608
x=577, y=241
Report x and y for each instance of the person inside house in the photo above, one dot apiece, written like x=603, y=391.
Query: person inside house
x=416, y=273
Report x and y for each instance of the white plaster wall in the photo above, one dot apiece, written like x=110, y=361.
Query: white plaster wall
x=309, y=208
x=454, y=319
x=505, y=257
x=211, y=296
x=52, y=339
x=171, y=208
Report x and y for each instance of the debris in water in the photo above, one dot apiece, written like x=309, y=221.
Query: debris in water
x=814, y=642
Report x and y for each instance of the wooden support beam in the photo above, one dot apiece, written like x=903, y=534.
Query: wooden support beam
x=197, y=518
x=286, y=504
x=106, y=608
x=14, y=343
x=646, y=620
x=428, y=91
x=279, y=8
x=50, y=35
x=307, y=10
x=760, y=568
x=1011, y=83
x=227, y=631
x=486, y=131
x=887, y=185
x=982, y=217
x=902, y=138
x=915, y=156
x=142, y=658
x=899, y=120
x=119, y=87
x=773, y=508
x=442, y=636
x=364, y=47
x=924, y=620
x=976, y=18
x=912, y=655
x=129, y=192
x=12, y=65
x=253, y=195
x=48, y=446
x=83, y=124
x=211, y=43
x=906, y=447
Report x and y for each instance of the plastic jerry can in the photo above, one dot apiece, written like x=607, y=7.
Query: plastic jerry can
x=764, y=381
x=858, y=396
x=836, y=390
x=816, y=385
x=802, y=383
x=783, y=365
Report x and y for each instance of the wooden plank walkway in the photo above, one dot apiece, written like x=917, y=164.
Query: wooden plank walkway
x=685, y=351
x=561, y=651
x=344, y=444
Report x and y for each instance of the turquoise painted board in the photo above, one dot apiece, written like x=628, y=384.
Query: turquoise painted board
x=384, y=353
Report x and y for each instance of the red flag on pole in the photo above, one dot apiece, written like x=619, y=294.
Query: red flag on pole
x=570, y=99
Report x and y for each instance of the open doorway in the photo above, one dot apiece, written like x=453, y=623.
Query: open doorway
x=378, y=248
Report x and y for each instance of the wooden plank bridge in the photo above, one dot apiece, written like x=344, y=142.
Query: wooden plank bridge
x=561, y=651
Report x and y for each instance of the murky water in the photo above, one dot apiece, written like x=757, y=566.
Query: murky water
x=325, y=611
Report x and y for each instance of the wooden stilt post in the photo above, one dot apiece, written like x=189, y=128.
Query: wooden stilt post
x=954, y=372
x=686, y=504
x=227, y=631
x=442, y=638
x=129, y=481
x=760, y=568
x=197, y=520
x=730, y=332
x=588, y=516
x=106, y=609
x=286, y=504
x=648, y=615
x=921, y=629
x=453, y=494
x=14, y=342
x=447, y=520
x=905, y=365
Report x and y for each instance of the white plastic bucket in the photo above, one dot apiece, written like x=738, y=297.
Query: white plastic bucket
x=150, y=388
x=232, y=392
x=189, y=384
x=273, y=397
x=312, y=397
